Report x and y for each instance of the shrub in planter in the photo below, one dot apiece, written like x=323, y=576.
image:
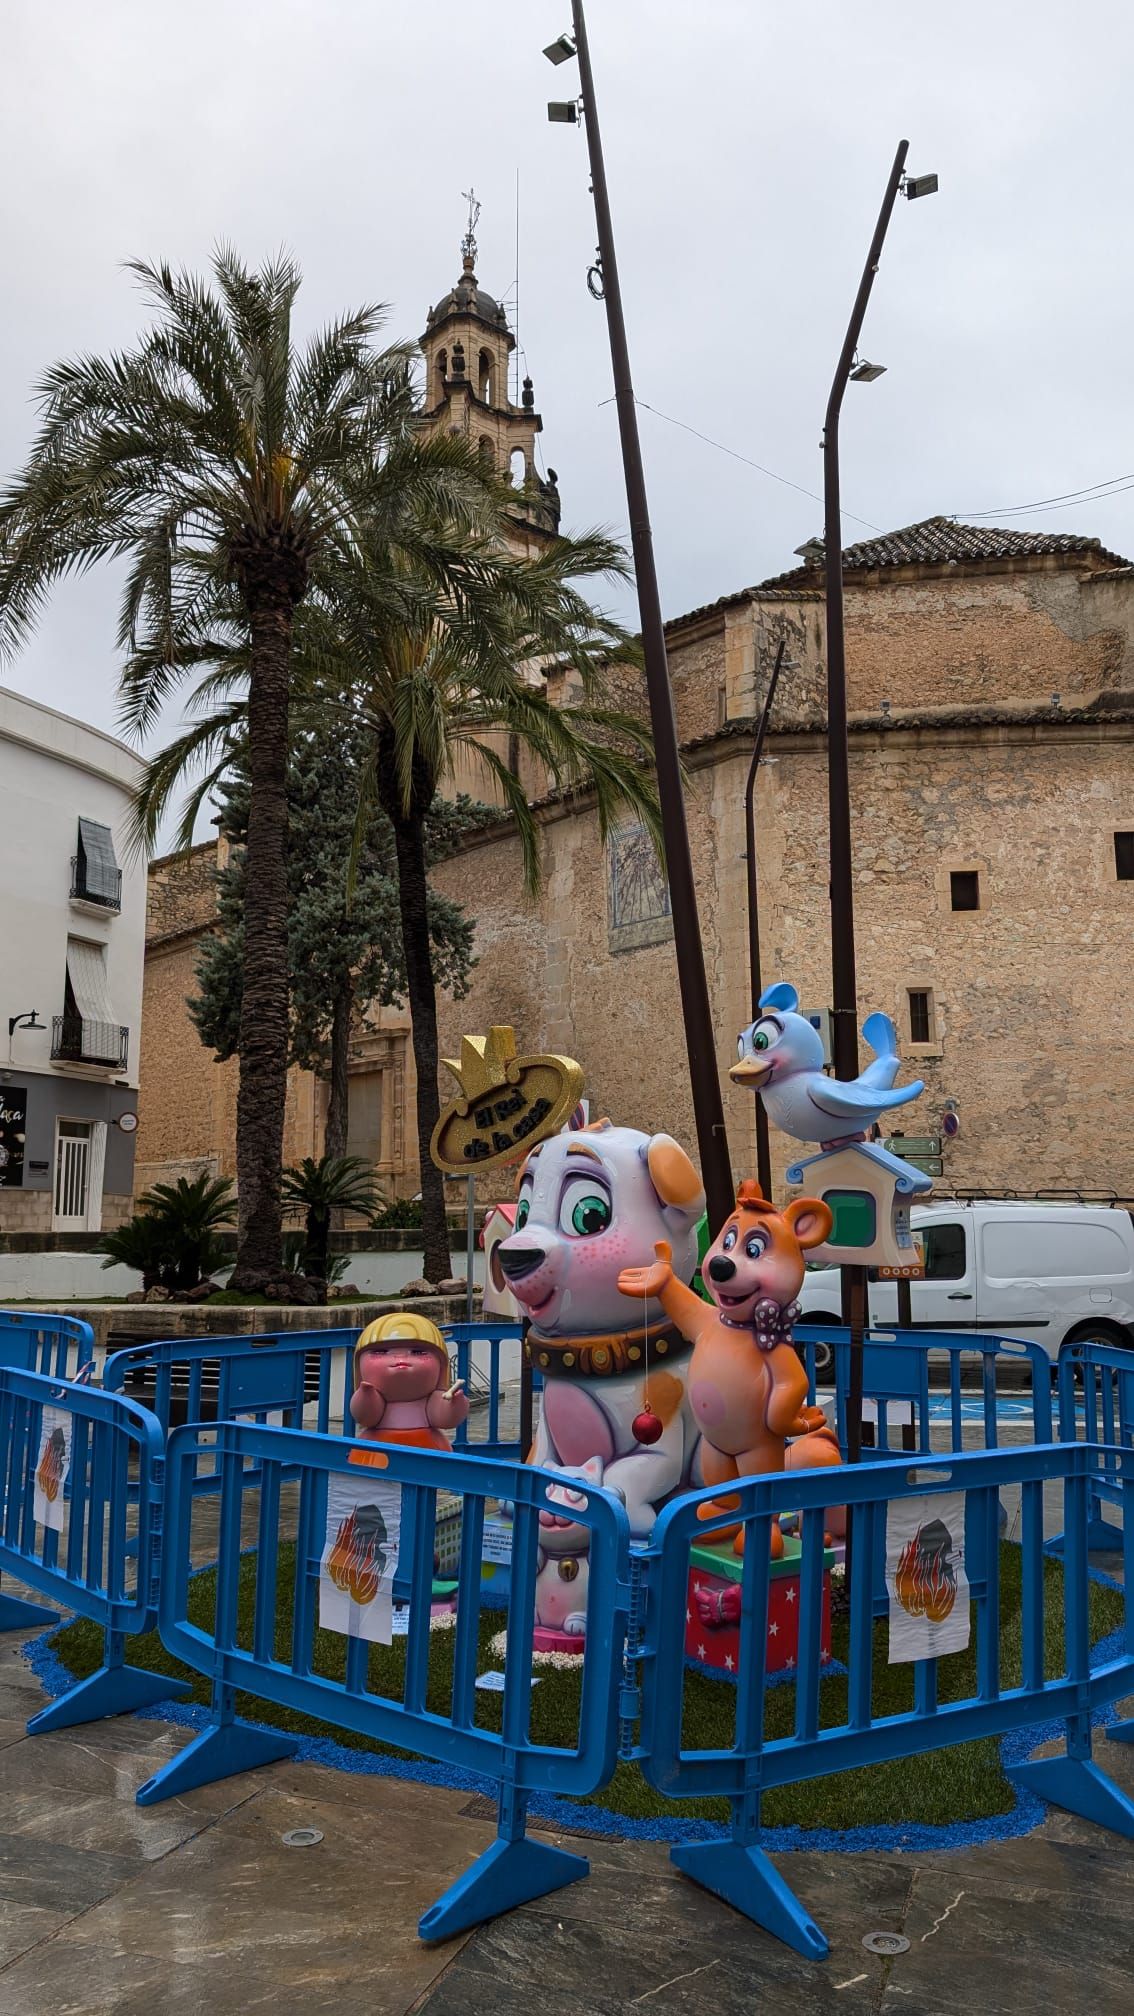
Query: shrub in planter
x=171, y=1239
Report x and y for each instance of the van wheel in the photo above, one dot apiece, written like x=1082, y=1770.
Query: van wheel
x=1114, y=1335
x=824, y=1353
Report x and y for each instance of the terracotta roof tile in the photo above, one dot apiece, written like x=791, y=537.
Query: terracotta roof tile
x=939, y=541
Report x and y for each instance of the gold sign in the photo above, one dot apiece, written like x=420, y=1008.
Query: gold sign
x=506, y=1104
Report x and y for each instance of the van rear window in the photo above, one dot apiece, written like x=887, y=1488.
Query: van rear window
x=1058, y=1250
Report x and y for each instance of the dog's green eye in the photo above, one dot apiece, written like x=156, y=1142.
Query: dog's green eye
x=590, y=1215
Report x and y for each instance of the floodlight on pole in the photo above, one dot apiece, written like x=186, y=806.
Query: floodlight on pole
x=561, y=50
x=865, y=373
x=920, y=185
x=563, y=112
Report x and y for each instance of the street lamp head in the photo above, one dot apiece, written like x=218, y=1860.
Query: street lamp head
x=563, y=112
x=561, y=50
x=865, y=373
x=920, y=185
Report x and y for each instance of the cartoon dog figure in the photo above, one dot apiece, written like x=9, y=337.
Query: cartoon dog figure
x=591, y=1204
x=564, y=1550
x=747, y=1386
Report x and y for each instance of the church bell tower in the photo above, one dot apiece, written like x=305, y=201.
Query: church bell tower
x=467, y=347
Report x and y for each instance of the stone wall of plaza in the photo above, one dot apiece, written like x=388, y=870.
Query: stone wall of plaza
x=1029, y=1023
x=187, y=1101
x=961, y=763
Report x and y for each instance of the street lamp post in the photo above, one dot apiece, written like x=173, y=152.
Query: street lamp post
x=844, y=989
x=704, y=1077
x=755, y=984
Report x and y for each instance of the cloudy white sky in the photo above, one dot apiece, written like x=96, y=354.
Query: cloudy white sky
x=747, y=148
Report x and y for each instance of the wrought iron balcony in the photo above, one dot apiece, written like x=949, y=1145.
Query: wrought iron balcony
x=103, y=888
x=74, y=1040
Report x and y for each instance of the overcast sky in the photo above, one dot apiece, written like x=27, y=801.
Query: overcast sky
x=747, y=149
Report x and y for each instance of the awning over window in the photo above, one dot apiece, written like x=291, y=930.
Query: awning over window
x=97, y=845
x=86, y=971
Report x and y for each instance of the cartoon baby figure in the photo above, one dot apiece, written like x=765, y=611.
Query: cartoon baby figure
x=401, y=1394
x=747, y=1386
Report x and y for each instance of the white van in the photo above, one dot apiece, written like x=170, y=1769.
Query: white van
x=1051, y=1272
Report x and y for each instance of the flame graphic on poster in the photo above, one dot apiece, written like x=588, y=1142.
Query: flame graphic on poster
x=926, y=1577
x=926, y=1581
x=52, y=1464
x=360, y=1558
x=357, y=1557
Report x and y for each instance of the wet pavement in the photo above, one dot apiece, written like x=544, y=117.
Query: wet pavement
x=196, y=1907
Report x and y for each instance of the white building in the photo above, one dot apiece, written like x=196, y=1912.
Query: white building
x=72, y=942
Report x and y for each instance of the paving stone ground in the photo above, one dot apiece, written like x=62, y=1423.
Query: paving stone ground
x=197, y=1908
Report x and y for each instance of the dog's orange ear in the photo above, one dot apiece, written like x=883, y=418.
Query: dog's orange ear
x=673, y=1175
x=810, y=1220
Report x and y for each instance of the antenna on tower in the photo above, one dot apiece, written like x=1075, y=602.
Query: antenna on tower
x=468, y=242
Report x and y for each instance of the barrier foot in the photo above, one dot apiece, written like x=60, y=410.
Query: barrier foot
x=746, y=1879
x=113, y=1690
x=507, y=1874
x=1079, y=1786
x=218, y=1752
x=15, y=1614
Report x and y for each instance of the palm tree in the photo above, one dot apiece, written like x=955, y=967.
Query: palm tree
x=320, y=1188
x=432, y=691
x=223, y=462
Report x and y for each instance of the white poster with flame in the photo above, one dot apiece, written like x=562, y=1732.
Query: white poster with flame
x=925, y=1575
x=360, y=1558
x=51, y=1467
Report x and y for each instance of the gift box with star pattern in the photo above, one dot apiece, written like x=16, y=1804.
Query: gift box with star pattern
x=712, y=1610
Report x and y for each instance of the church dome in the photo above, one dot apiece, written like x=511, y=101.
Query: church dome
x=468, y=297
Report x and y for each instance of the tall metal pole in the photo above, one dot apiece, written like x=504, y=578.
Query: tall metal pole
x=708, y=1109
x=844, y=986
x=755, y=984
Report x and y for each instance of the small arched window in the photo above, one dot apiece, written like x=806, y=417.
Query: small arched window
x=518, y=468
x=484, y=377
x=442, y=368
x=487, y=451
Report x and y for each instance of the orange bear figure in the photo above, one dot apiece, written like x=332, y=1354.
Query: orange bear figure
x=747, y=1387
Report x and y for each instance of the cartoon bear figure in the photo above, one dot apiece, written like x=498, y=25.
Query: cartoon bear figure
x=591, y=1204
x=747, y=1387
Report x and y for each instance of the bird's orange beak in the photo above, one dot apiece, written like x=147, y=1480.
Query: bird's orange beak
x=750, y=1071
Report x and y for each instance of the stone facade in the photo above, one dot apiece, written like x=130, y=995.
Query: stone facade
x=970, y=767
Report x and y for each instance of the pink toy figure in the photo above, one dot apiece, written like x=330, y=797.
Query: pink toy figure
x=564, y=1549
x=400, y=1364
x=747, y=1386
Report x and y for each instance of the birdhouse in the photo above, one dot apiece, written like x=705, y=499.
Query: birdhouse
x=869, y=1192
x=498, y=1299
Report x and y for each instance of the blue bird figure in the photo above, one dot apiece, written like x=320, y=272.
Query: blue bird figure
x=781, y=1059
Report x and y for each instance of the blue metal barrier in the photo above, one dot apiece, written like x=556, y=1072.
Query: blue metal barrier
x=738, y=1869
x=896, y=1371
x=255, y=1655
x=35, y=1341
x=1096, y=1390
x=86, y=1562
x=232, y=1378
x=465, y=1337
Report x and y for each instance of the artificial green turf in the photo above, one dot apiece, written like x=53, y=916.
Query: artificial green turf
x=964, y=1782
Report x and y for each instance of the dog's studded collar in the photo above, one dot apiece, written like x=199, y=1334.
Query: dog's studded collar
x=605, y=1357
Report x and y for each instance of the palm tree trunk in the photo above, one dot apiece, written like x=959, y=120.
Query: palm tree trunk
x=264, y=1010
x=335, y=1132
x=421, y=989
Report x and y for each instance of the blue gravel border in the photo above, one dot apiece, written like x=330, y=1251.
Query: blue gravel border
x=892, y=1837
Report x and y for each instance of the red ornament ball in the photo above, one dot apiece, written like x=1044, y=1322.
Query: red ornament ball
x=646, y=1427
